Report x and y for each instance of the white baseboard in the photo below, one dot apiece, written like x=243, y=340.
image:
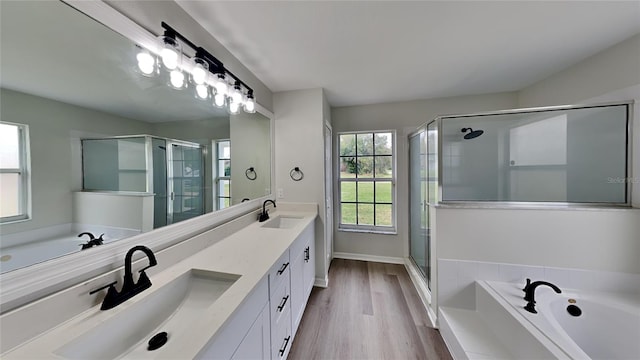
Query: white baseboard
x=321, y=282
x=365, y=257
x=422, y=289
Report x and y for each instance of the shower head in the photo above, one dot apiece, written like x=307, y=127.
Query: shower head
x=472, y=133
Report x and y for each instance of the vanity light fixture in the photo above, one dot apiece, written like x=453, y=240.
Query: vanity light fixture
x=204, y=71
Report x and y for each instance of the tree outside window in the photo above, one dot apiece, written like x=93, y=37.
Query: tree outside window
x=366, y=181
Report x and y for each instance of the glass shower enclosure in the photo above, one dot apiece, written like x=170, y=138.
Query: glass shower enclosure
x=173, y=170
x=553, y=156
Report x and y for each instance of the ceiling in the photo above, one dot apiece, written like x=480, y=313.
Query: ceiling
x=364, y=52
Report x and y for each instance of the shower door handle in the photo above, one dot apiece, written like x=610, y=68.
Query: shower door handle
x=171, y=197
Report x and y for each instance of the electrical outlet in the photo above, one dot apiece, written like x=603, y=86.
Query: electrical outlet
x=280, y=193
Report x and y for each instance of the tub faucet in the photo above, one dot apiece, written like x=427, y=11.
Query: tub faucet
x=530, y=291
x=93, y=241
x=264, y=216
x=129, y=288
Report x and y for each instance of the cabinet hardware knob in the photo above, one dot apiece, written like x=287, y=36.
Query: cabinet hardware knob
x=284, y=346
x=283, y=303
x=283, y=268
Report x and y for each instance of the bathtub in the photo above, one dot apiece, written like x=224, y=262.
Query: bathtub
x=607, y=328
x=31, y=247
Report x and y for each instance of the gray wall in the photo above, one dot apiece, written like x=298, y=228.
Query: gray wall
x=299, y=128
x=404, y=118
x=55, y=169
x=250, y=147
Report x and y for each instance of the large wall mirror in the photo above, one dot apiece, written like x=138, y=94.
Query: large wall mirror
x=91, y=146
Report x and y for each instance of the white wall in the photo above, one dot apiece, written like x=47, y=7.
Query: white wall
x=55, y=174
x=615, y=68
x=604, y=240
x=404, y=118
x=299, y=128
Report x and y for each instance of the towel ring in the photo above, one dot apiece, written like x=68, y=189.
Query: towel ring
x=249, y=171
x=296, y=174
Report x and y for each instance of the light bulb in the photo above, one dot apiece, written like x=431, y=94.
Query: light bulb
x=199, y=75
x=234, y=107
x=146, y=62
x=177, y=79
x=170, y=53
x=250, y=105
x=169, y=58
x=221, y=84
x=202, y=92
x=218, y=100
x=200, y=71
x=236, y=95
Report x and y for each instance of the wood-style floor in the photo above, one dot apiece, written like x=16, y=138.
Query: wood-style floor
x=369, y=311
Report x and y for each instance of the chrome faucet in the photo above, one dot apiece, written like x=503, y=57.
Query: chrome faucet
x=264, y=216
x=129, y=288
x=530, y=291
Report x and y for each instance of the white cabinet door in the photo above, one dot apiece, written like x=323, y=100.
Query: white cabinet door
x=225, y=344
x=309, y=268
x=257, y=343
x=298, y=298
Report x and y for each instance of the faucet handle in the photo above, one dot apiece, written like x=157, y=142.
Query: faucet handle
x=526, y=286
x=103, y=287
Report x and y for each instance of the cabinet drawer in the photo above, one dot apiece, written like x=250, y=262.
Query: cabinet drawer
x=279, y=272
x=281, y=339
x=280, y=304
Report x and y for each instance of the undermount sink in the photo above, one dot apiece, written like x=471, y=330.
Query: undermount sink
x=172, y=308
x=282, y=222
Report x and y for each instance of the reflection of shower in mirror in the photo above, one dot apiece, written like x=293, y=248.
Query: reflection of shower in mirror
x=472, y=134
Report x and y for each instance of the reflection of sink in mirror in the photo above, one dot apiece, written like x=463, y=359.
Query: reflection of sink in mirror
x=282, y=222
x=173, y=308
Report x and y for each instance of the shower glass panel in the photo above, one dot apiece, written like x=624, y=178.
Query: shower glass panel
x=118, y=164
x=159, y=153
x=432, y=163
x=186, y=182
x=559, y=155
x=418, y=209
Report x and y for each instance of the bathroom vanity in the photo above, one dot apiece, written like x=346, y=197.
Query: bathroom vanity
x=241, y=297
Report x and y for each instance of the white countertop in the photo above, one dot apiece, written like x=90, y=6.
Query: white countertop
x=250, y=253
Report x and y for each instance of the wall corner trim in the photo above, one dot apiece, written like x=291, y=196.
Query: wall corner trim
x=366, y=257
x=322, y=282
